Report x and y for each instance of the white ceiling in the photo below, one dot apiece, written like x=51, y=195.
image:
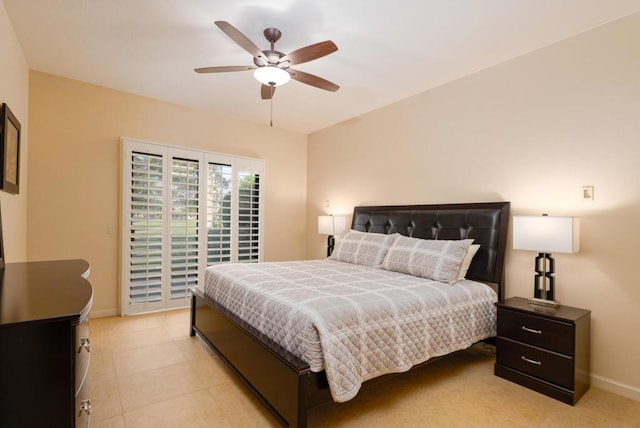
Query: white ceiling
x=388, y=49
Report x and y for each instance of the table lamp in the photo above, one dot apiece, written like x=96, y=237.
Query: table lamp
x=331, y=225
x=545, y=234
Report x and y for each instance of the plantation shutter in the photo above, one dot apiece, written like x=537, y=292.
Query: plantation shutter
x=248, y=217
x=145, y=223
x=219, y=180
x=184, y=210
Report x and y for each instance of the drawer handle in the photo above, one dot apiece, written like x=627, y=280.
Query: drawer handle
x=85, y=406
x=537, y=363
x=530, y=330
x=84, y=344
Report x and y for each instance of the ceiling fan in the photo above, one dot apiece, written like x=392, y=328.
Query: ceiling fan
x=272, y=68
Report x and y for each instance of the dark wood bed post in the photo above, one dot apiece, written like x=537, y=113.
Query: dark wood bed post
x=284, y=383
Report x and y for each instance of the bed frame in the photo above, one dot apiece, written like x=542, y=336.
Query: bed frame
x=283, y=382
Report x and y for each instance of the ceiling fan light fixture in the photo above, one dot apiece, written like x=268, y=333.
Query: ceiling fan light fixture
x=271, y=75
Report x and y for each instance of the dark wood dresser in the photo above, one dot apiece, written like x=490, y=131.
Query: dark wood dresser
x=44, y=344
x=544, y=349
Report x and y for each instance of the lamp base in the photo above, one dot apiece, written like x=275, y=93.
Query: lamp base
x=331, y=242
x=544, y=302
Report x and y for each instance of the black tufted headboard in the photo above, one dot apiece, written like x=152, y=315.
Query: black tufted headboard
x=486, y=223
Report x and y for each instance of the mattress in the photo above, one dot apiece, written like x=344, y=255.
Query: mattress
x=354, y=322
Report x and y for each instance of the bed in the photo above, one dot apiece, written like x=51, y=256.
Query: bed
x=289, y=381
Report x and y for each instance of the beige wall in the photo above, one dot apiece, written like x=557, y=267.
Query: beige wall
x=532, y=131
x=74, y=171
x=14, y=91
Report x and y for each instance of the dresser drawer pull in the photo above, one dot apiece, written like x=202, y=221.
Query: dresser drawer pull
x=537, y=363
x=85, y=406
x=84, y=344
x=530, y=330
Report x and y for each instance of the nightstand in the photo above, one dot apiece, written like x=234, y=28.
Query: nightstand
x=544, y=349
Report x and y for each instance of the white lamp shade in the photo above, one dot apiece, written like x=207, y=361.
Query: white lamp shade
x=546, y=234
x=271, y=75
x=331, y=224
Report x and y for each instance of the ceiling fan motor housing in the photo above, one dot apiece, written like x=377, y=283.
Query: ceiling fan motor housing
x=274, y=59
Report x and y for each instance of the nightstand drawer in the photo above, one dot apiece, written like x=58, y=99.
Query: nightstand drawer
x=550, y=366
x=543, y=332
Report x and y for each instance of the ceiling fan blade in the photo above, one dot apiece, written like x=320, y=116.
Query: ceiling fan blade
x=311, y=52
x=223, y=69
x=241, y=39
x=313, y=80
x=266, y=92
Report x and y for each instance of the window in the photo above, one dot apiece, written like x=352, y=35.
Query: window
x=184, y=210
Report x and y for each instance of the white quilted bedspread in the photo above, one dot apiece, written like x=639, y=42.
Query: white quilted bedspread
x=353, y=321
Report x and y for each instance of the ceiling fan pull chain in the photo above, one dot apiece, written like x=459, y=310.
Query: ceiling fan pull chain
x=271, y=107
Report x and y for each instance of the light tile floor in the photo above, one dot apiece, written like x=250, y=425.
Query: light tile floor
x=146, y=371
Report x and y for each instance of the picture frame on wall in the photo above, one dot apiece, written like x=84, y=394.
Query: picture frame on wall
x=10, y=153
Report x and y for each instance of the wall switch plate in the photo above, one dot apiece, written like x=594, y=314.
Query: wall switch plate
x=587, y=193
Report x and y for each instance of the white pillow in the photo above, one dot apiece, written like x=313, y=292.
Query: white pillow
x=466, y=262
x=439, y=260
x=366, y=249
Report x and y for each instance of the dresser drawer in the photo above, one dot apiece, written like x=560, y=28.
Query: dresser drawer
x=83, y=406
x=543, y=332
x=549, y=366
x=82, y=353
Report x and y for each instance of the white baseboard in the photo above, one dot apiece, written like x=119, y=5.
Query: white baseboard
x=104, y=313
x=116, y=313
x=615, y=387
